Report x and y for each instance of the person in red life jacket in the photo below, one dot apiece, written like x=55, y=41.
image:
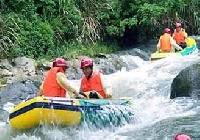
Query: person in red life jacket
x=180, y=35
x=182, y=136
x=55, y=83
x=167, y=43
x=93, y=80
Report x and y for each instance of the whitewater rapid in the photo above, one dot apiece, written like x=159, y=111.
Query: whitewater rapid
x=156, y=116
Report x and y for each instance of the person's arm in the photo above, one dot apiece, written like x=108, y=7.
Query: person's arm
x=63, y=82
x=106, y=87
x=173, y=33
x=173, y=43
x=158, y=45
x=40, y=92
x=81, y=90
x=185, y=35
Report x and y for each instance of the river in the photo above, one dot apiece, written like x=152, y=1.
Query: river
x=156, y=116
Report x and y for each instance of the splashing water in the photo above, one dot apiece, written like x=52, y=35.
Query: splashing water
x=156, y=117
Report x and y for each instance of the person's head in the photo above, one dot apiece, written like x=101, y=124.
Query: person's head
x=87, y=66
x=167, y=30
x=60, y=62
x=182, y=136
x=178, y=26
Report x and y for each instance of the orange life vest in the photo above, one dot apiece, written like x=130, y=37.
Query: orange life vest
x=93, y=83
x=165, y=45
x=179, y=37
x=51, y=88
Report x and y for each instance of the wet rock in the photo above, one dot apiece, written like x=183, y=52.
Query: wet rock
x=108, y=64
x=5, y=64
x=186, y=83
x=26, y=64
x=6, y=72
x=18, y=91
x=25, y=68
x=43, y=64
x=136, y=52
x=111, y=64
x=101, y=55
x=47, y=65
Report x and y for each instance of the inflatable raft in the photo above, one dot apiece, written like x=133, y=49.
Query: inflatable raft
x=190, y=49
x=62, y=111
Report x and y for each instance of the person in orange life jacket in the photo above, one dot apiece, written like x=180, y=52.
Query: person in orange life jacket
x=93, y=80
x=180, y=35
x=55, y=83
x=182, y=136
x=166, y=43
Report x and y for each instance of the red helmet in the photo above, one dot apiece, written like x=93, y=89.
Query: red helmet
x=85, y=62
x=59, y=62
x=182, y=137
x=178, y=24
x=167, y=30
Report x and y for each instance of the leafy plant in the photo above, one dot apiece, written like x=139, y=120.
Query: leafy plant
x=49, y=28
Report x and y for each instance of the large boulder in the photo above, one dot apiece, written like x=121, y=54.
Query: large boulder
x=18, y=91
x=187, y=83
x=108, y=64
x=25, y=64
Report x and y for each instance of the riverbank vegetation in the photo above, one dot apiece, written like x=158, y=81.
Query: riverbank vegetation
x=50, y=28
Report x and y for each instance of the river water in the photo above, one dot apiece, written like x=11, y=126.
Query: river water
x=156, y=116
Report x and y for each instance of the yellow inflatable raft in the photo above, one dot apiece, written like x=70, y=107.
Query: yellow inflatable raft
x=190, y=49
x=58, y=111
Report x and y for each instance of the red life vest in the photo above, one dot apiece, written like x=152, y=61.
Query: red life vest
x=165, y=45
x=93, y=83
x=51, y=88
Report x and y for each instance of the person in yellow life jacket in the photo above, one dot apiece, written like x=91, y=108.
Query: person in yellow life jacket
x=55, y=83
x=166, y=43
x=93, y=80
x=180, y=35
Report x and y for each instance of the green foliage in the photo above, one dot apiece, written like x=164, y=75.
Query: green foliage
x=26, y=38
x=51, y=28
x=9, y=35
x=3, y=81
x=24, y=7
x=37, y=39
x=147, y=12
x=90, y=50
